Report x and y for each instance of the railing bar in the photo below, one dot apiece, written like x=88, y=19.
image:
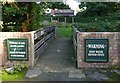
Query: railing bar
x=48, y=36
x=38, y=34
x=43, y=43
x=37, y=51
x=39, y=43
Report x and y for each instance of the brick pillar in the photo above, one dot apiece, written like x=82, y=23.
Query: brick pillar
x=119, y=47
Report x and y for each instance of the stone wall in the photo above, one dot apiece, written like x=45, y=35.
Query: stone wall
x=3, y=46
x=114, y=49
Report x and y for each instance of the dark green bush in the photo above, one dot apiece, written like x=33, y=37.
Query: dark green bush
x=100, y=24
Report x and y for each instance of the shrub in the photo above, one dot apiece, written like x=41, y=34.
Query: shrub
x=100, y=25
x=16, y=68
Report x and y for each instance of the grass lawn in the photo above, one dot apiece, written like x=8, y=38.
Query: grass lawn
x=64, y=32
x=15, y=77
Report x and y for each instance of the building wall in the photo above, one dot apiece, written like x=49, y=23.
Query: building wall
x=3, y=46
x=114, y=48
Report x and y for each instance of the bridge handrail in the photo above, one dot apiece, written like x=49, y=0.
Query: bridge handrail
x=74, y=37
x=41, y=37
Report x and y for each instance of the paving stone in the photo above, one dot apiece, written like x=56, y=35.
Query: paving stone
x=104, y=71
x=98, y=76
x=33, y=73
x=76, y=74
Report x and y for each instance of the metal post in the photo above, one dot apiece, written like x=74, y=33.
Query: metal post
x=65, y=19
x=56, y=32
x=51, y=19
x=58, y=19
x=72, y=19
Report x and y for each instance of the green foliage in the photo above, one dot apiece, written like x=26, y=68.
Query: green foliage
x=115, y=67
x=7, y=9
x=99, y=27
x=99, y=24
x=17, y=17
x=13, y=77
x=13, y=17
x=99, y=8
x=10, y=9
x=17, y=68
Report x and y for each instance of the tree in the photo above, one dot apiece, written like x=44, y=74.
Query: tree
x=14, y=16
x=12, y=3
x=57, y=5
x=100, y=8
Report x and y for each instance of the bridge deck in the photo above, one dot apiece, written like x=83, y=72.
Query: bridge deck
x=58, y=57
x=56, y=64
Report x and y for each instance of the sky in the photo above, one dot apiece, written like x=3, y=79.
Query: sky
x=74, y=5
